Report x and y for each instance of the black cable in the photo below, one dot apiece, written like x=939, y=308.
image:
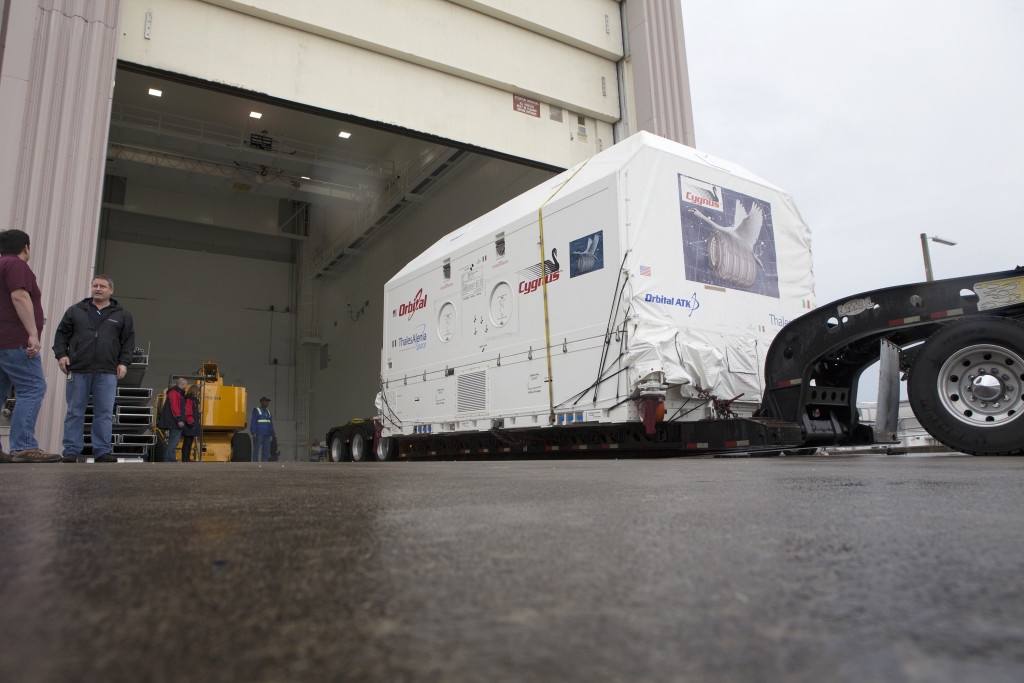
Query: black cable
x=612, y=315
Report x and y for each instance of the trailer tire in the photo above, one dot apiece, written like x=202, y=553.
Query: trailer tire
x=967, y=383
x=385, y=449
x=358, y=447
x=337, y=451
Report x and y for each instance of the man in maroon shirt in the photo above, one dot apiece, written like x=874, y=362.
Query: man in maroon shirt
x=21, y=324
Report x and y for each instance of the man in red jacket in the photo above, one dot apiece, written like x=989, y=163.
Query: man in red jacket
x=172, y=418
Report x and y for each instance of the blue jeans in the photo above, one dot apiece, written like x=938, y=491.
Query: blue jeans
x=173, y=437
x=26, y=374
x=261, y=447
x=102, y=387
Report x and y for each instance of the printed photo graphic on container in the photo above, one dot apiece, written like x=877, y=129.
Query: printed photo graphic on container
x=728, y=238
x=586, y=254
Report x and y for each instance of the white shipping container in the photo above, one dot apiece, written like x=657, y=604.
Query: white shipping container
x=664, y=269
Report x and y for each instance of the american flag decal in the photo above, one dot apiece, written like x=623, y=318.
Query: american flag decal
x=645, y=271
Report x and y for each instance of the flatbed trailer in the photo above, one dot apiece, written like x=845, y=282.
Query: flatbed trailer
x=959, y=343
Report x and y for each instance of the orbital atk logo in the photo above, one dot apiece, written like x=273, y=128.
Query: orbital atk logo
x=408, y=309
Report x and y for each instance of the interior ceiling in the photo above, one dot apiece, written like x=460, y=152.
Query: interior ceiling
x=196, y=140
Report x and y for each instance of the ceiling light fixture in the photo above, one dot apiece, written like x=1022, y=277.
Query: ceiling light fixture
x=344, y=135
x=255, y=115
x=156, y=93
x=305, y=177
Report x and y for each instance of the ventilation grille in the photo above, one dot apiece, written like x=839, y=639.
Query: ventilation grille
x=472, y=392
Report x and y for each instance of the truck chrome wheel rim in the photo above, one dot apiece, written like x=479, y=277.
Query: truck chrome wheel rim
x=337, y=450
x=981, y=385
x=358, y=447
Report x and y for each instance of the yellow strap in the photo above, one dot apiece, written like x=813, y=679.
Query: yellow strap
x=544, y=288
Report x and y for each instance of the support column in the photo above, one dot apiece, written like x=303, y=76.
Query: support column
x=56, y=82
x=655, y=68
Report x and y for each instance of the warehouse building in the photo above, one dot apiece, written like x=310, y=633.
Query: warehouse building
x=251, y=172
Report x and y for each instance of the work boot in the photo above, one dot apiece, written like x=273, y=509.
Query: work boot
x=5, y=457
x=34, y=455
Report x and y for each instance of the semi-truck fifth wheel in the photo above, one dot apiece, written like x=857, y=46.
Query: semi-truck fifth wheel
x=967, y=386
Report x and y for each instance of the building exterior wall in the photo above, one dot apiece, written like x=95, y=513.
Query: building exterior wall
x=430, y=66
x=55, y=88
x=657, y=80
x=446, y=69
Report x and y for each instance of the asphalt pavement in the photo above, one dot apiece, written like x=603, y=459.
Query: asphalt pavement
x=862, y=568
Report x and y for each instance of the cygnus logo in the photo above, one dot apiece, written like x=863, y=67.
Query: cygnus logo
x=700, y=193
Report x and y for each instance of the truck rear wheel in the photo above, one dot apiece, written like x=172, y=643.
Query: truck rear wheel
x=966, y=386
x=337, y=451
x=357, y=446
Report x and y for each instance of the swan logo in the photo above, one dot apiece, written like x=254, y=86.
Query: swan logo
x=700, y=193
x=546, y=272
x=407, y=310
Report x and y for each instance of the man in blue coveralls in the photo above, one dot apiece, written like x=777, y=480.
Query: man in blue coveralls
x=262, y=429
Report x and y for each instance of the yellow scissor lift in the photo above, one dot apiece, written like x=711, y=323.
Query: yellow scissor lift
x=224, y=416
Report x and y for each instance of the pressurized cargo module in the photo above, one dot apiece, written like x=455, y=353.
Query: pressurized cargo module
x=646, y=280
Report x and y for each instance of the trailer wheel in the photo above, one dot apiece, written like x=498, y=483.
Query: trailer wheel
x=337, y=451
x=385, y=449
x=967, y=384
x=357, y=446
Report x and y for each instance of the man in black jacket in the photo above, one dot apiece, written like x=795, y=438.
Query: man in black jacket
x=93, y=345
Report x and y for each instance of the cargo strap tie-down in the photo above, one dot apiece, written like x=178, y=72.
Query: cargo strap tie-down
x=544, y=290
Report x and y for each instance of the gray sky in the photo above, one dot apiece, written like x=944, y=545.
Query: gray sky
x=883, y=120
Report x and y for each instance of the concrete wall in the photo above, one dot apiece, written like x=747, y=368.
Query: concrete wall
x=353, y=339
x=437, y=67
x=190, y=307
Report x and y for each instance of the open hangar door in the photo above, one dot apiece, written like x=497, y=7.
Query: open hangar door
x=258, y=234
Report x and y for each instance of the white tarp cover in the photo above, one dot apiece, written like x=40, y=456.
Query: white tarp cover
x=709, y=260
